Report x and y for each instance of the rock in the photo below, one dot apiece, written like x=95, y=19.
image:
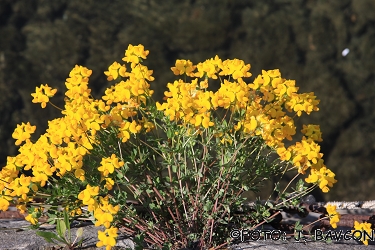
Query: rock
x=15, y=234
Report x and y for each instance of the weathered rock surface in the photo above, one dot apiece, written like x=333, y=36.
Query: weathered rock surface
x=15, y=235
x=42, y=40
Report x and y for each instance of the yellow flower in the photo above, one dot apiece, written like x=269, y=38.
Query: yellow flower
x=284, y=154
x=209, y=68
x=109, y=183
x=236, y=68
x=141, y=73
x=225, y=138
x=324, y=178
x=31, y=219
x=135, y=54
x=108, y=165
x=42, y=94
x=362, y=230
x=103, y=217
x=21, y=186
x=39, y=177
x=203, y=84
x=108, y=241
x=80, y=174
x=115, y=70
x=4, y=203
x=183, y=66
x=87, y=196
x=74, y=212
x=22, y=132
x=313, y=132
x=334, y=217
x=202, y=119
x=250, y=125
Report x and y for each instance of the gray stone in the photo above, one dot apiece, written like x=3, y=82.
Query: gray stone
x=15, y=234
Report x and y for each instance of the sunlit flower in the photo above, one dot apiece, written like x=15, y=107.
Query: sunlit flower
x=107, y=238
x=4, y=204
x=183, y=67
x=23, y=132
x=324, y=177
x=362, y=231
x=43, y=94
x=334, y=216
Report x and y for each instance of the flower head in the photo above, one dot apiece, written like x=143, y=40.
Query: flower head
x=43, y=94
x=135, y=54
x=334, y=216
x=107, y=238
x=115, y=70
x=23, y=132
x=323, y=177
x=4, y=203
x=183, y=66
x=361, y=230
x=88, y=196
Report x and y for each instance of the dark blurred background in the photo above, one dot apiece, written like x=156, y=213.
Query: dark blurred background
x=308, y=40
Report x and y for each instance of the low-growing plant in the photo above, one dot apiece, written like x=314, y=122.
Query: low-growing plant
x=63, y=235
x=171, y=173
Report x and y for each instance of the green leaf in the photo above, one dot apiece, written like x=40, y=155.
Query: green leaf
x=48, y=236
x=152, y=206
x=67, y=224
x=169, y=133
x=66, y=220
x=266, y=214
x=269, y=204
x=297, y=226
x=79, y=232
x=120, y=175
x=61, y=228
x=224, y=123
x=300, y=185
x=138, y=239
x=167, y=246
x=174, y=168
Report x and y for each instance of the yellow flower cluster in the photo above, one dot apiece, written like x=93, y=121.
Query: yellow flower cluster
x=187, y=103
x=334, y=216
x=107, y=238
x=183, y=67
x=108, y=165
x=43, y=94
x=362, y=231
x=262, y=107
x=115, y=70
x=32, y=217
x=69, y=139
x=135, y=54
x=103, y=214
x=22, y=133
x=324, y=177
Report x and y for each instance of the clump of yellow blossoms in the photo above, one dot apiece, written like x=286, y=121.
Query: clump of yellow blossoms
x=363, y=231
x=334, y=216
x=43, y=94
x=84, y=150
